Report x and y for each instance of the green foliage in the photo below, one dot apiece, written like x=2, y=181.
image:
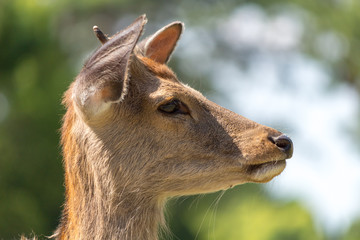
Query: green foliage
x=354, y=232
x=244, y=212
x=337, y=19
x=34, y=73
x=261, y=219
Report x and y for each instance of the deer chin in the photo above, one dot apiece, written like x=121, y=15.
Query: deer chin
x=264, y=172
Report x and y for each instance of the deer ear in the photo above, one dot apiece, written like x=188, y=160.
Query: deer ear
x=104, y=77
x=160, y=45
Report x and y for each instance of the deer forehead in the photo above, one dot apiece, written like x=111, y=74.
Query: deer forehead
x=169, y=90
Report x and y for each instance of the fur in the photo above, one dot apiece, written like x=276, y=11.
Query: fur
x=124, y=159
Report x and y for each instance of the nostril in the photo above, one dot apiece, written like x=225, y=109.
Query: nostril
x=284, y=143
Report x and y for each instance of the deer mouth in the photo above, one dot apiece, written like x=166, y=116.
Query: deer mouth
x=264, y=172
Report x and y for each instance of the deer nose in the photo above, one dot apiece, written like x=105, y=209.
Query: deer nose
x=284, y=143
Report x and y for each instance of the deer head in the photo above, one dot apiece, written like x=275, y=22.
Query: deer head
x=134, y=134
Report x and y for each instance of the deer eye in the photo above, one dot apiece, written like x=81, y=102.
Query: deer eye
x=174, y=107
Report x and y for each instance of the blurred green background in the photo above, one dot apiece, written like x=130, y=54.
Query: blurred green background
x=43, y=44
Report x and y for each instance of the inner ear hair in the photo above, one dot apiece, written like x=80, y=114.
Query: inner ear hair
x=160, y=46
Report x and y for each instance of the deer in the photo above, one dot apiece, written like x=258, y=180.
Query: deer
x=134, y=136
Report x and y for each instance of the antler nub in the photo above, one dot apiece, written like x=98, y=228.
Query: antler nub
x=100, y=35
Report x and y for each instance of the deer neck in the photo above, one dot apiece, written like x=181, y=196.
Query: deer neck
x=94, y=210
x=102, y=202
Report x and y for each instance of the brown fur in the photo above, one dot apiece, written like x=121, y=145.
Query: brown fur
x=124, y=158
